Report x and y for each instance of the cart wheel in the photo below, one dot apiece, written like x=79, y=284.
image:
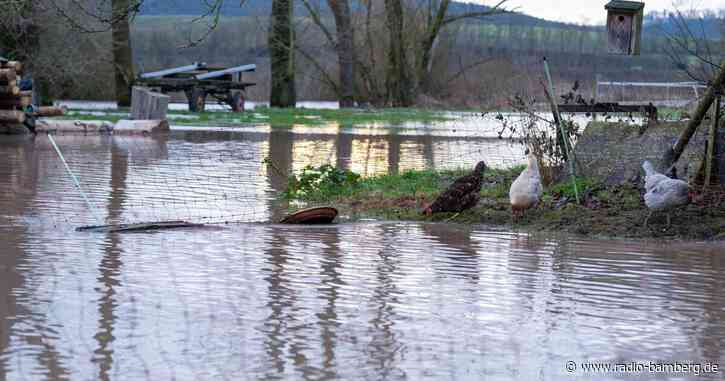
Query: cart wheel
x=197, y=101
x=237, y=102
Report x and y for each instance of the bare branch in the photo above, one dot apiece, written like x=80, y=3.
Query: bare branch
x=315, y=15
x=495, y=10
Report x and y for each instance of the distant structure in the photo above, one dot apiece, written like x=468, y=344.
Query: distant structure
x=624, y=26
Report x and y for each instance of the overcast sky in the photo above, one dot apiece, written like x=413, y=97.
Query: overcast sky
x=592, y=11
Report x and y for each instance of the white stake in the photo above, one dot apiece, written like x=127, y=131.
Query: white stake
x=75, y=181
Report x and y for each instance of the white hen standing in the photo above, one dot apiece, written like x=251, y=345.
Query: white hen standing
x=663, y=193
x=526, y=190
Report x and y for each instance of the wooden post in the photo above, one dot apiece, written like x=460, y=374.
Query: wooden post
x=673, y=154
x=711, y=138
x=148, y=105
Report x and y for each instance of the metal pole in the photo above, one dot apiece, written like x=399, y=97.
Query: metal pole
x=75, y=181
x=564, y=136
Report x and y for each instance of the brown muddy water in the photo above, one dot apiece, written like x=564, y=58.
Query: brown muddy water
x=371, y=300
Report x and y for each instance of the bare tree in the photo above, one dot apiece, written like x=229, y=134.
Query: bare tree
x=437, y=18
x=345, y=50
x=398, y=83
x=282, y=51
x=344, y=46
x=122, y=54
x=691, y=49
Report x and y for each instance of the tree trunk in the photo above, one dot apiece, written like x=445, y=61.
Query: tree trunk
x=345, y=50
x=425, y=52
x=122, y=56
x=281, y=50
x=400, y=92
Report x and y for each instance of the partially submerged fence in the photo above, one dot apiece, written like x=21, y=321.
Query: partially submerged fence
x=658, y=93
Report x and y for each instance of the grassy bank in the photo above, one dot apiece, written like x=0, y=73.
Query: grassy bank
x=280, y=117
x=605, y=211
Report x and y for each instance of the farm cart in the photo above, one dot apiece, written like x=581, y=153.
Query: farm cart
x=200, y=80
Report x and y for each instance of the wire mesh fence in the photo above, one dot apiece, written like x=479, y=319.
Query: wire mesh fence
x=213, y=177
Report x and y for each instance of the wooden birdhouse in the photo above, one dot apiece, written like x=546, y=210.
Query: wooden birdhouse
x=624, y=26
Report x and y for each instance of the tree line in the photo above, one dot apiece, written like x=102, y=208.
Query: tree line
x=380, y=52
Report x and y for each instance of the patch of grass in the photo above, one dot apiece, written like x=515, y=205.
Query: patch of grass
x=605, y=211
x=409, y=183
x=671, y=113
x=566, y=189
x=277, y=117
x=402, y=196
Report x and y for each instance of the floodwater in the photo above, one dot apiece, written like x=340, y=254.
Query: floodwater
x=371, y=300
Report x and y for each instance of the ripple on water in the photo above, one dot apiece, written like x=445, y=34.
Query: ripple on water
x=351, y=301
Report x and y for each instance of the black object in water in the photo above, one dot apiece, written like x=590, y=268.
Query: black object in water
x=144, y=226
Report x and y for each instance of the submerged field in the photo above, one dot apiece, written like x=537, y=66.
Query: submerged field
x=616, y=211
x=279, y=117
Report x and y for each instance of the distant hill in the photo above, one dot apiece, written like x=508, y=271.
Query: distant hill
x=263, y=8
x=656, y=24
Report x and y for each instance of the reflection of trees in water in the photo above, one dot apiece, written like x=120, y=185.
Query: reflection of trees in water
x=711, y=306
x=331, y=280
x=384, y=350
x=280, y=152
x=283, y=329
x=110, y=265
x=19, y=167
x=366, y=154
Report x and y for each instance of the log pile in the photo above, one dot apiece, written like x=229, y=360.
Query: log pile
x=16, y=103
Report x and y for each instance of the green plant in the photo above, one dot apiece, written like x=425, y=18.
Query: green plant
x=324, y=179
x=566, y=188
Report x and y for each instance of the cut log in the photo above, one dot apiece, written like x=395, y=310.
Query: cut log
x=16, y=96
x=21, y=101
x=11, y=116
x=49, y=111
x=73, y=126
x=148, y=105
x=10, y=90
x=13, y=65
x=140, y=126
x=8, y=83
x=8, y=75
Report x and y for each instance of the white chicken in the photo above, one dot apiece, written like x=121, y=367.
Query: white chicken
x=663, y=193
x=526, y=190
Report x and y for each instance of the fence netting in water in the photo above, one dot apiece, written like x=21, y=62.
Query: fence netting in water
x=214, y=177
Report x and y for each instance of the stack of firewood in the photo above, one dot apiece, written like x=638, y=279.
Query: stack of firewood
x=15, y=104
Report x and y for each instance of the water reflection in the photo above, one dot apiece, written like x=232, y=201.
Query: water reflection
x=349, y=301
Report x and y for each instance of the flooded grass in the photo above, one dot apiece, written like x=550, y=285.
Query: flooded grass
x=277, y=117
x=615, y=211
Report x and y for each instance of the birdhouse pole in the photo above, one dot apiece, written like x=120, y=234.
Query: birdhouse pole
x=711, y=146
x=564, y=136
